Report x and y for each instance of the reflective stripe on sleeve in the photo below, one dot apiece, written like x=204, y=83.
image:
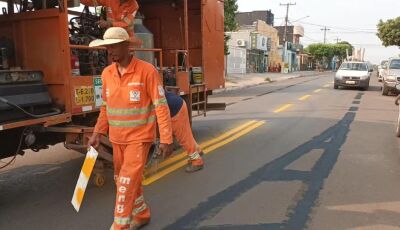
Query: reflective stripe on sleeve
x=159, y=102
x=128, y=21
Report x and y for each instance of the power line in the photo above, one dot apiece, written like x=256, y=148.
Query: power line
x=343, y=32
x=325, y=29
x=287, y=18
x=342, y=28
x=311, y=39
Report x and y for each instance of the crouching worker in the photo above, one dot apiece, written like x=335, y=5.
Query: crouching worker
x=183, y=132
x=133, y=100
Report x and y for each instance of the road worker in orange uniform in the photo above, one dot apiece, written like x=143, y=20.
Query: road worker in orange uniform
x=183, y=132
x=133, y=100
x=120, y=13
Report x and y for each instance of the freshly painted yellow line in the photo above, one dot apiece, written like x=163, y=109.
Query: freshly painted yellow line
x=305, y=97
x=317, y=90
x=283, y=108
x=205, y=144
x=234, y=137
x=207, y=150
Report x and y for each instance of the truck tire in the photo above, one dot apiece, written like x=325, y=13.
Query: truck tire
x=335, y=86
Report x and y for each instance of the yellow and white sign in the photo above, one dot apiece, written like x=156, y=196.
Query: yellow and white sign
x=84, y=177
x=84, y=95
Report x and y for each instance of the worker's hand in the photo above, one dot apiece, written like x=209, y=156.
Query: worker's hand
x=104, y=24
x=94, y=140
x=165, y=150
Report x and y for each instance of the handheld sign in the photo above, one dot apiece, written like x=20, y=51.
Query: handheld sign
x=84, y=176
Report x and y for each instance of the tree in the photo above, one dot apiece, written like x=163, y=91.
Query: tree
x=389, y=32
x=323, y=53
x=340, y=49
x=348, y=46
x=230, y=8
x=320, y=51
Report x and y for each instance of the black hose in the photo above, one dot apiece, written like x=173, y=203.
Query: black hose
x=55, y=110
x=17, y=151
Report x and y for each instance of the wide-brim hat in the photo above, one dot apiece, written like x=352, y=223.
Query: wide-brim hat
x=114, y=35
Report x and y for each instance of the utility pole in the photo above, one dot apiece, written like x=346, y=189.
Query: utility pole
x=325, y=29
x=286, y=19
x=337, y=40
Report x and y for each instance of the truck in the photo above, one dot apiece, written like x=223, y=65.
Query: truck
x=50, y=85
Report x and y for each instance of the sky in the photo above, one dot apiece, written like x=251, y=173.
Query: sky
x=349, y=20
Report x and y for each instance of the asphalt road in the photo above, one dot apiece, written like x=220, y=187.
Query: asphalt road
x=295, y=154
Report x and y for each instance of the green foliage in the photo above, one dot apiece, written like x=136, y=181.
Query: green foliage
x=389, y=32
x=348, y=46
x=230, y=9
x=328, y=51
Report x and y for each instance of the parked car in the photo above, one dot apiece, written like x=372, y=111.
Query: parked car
x=381, y=69
x=353, y=74
x=391, y=76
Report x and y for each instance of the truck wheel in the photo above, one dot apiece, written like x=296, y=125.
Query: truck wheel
x=335, y=86
x=385, y=90
x=99, y=180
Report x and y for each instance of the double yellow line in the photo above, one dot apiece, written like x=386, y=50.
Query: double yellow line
x=180, y=160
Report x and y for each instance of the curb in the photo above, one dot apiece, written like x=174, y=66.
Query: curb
x=219, y=91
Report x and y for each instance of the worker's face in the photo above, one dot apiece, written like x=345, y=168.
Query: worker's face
x=118, y=52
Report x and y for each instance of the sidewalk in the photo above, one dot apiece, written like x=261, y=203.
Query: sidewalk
x=240, y=81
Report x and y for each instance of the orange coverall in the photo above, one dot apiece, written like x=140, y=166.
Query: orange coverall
x=131, y=104
x=118, y=15
x=181, y=128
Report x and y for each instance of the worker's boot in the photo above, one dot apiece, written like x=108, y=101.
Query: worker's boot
x=195, y=165
x=134, y=225
x=193, y=168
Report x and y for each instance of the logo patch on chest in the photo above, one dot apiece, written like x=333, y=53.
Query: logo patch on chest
x=134, y=96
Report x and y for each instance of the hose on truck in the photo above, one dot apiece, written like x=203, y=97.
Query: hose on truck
x=17, y=151
x=55, y=110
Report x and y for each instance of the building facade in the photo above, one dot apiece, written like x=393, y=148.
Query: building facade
x=274, y=56
x=248, y=52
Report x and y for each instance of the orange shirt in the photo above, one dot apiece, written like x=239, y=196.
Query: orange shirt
x=132, y=103
x=118, y=15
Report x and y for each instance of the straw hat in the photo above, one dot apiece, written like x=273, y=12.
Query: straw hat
x=113, y=35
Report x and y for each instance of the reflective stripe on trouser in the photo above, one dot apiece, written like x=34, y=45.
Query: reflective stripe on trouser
x=183, y=133
x=129, y=162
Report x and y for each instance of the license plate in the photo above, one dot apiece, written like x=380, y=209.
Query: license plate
x=351, y=82
x=84, y=95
